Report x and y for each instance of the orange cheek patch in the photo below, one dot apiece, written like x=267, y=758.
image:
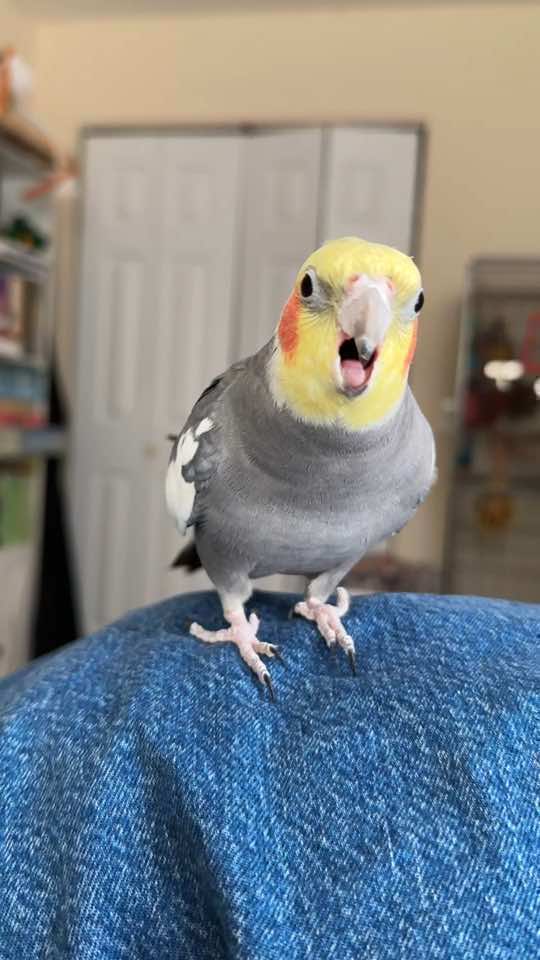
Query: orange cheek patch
x=288, y=326
x=412, y=347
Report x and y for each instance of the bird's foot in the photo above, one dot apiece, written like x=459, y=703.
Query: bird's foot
x=328, y=620
x=243, y=633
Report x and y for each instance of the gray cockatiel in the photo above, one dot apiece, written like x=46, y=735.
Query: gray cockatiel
x=300, y=458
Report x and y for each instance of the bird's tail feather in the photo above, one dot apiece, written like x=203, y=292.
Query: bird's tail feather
x=188, y=557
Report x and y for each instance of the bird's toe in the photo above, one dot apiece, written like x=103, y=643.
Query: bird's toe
x=267, y=680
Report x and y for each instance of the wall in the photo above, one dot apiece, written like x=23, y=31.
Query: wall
x=16, y=31
x=469, y=72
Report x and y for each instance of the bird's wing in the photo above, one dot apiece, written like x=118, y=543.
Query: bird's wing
x=196, y=451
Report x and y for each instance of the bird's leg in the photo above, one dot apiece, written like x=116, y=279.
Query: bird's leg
x=243, y=633
x=326, y=615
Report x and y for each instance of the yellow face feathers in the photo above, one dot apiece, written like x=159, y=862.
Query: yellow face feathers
x=338, y=260
x=347, y=334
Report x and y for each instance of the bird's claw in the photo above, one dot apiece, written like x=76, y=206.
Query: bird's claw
x=268, y=681
x=243, y=633
x=328, y=620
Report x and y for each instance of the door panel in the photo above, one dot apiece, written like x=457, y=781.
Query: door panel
x=111, y=507
x=195, y=270
x=370, y=185
x=280, y=210
x=117, y=328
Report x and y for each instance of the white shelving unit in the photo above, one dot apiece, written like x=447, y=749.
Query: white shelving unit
x=24, y=156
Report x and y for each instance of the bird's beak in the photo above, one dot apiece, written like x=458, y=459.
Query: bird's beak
x=366, y=313
x=364, y=318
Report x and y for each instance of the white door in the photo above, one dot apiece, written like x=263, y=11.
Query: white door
x=159, y=219
x=280, y=212
x=370, y=185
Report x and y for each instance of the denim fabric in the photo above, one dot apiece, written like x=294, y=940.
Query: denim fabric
x=155, y=805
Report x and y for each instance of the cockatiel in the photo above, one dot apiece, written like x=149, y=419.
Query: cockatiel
x=300, y=458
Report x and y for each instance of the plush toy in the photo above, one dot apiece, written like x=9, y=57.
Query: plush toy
x=300, y=458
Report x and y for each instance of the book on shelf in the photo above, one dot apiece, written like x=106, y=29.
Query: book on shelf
x=23, y=396
x=12, y=315
x=16, y=504
x=19, y=316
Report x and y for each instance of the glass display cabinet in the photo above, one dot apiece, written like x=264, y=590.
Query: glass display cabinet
x=493, y=528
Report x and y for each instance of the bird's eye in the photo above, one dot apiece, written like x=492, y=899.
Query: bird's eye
x=419, y=303
x=306, y=287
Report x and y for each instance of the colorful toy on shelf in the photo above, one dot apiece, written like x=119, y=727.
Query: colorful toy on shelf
x=530, y=351
x=15, y=80
x=22, y=230
x=67, y=171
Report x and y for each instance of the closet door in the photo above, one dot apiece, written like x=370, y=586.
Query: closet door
x=370, y=185
x=158, y=230
x=280, y=212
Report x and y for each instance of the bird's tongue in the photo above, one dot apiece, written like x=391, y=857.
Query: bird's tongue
x=354, y=374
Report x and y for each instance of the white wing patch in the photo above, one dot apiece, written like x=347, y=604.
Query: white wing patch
x=204, y=426
x=187, y=448
x=434, y=470
x=179, y=493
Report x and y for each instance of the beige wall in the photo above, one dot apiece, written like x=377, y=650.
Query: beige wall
x=16, y=31
x=471, y=73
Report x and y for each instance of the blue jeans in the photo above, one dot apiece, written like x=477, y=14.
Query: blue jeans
x=155, y=805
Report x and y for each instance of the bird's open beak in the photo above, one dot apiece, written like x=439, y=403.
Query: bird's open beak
x=364, y=318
